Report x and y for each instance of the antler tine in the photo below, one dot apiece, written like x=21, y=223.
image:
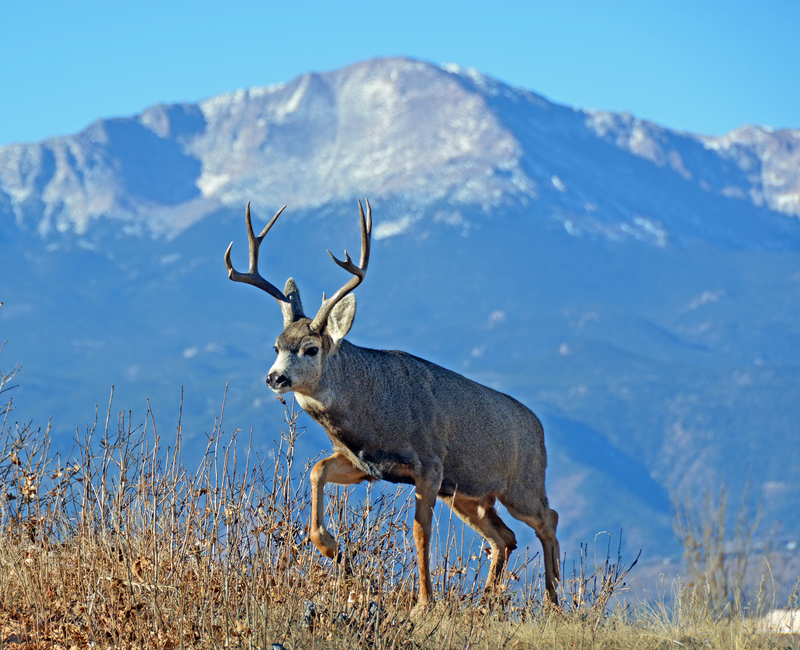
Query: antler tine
x=358, y=271
x=366, y=232
x=253, y=277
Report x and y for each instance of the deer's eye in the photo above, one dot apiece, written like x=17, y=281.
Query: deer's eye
x=311, y=352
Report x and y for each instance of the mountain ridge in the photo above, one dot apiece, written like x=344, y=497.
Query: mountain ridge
x=428, y=139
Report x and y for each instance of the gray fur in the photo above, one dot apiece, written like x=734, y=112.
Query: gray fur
x=341, y=319
x=395, y=417
x=293, y=310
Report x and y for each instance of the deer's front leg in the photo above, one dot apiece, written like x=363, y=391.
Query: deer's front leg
x=333, y=469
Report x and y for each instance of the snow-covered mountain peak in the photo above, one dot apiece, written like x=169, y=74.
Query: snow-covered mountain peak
x=436, y=144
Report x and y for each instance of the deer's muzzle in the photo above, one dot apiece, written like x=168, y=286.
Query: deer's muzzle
x=278, y=382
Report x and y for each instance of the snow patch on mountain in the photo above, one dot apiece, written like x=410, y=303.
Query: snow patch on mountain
x=430, y=140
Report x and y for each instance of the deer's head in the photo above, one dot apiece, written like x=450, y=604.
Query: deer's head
x=305, y=344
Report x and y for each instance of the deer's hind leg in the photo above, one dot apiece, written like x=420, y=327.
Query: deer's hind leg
x=544, y=520
x=333, y=469
x=426, y=487
x=481, y=516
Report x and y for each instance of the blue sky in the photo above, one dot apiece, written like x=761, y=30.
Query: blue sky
x=699, y=66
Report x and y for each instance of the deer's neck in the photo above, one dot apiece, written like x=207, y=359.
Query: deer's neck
x=313, y=404
x=338, y=391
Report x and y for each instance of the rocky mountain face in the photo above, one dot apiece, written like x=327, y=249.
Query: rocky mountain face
x=429, y=139
x=637, y=287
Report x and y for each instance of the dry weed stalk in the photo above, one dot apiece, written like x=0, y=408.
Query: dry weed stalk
x=121, y=545
x=719, y=548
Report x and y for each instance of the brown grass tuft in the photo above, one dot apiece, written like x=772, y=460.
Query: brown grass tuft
x=121, y=545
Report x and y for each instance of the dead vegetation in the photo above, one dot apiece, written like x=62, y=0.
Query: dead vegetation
x=123, y=546
x=727, y=552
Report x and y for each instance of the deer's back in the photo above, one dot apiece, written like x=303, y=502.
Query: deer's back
x=395, y=413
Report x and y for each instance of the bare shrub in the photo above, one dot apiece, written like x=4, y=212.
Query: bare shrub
x=121, y=545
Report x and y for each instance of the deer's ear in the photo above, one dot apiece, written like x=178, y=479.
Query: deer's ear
x=341, y=319
x=294, y=310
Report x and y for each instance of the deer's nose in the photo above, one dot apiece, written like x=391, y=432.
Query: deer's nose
x=276, y=381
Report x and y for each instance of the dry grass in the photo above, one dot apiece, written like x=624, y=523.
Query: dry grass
x=123, y=546
x=720, y=549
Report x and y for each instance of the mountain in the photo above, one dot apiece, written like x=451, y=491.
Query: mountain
x=432, y=140
x=635, y=286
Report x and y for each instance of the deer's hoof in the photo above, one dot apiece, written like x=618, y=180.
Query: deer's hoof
x=419, y=610
x=324, y=542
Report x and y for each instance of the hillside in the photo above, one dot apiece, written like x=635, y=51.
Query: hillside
x=637, y=287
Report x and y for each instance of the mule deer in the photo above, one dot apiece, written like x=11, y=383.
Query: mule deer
x=395, y=417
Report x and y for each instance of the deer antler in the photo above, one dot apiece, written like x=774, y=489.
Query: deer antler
x=358, y=271
x=252, y=276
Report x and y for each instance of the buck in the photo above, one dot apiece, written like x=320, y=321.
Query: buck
x=395, y=417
